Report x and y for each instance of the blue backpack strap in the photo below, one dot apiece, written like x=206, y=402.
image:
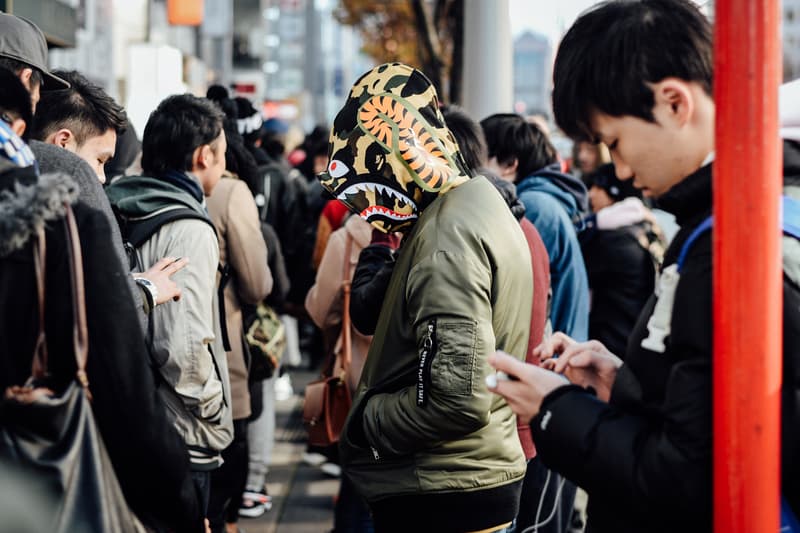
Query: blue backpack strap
x=790, y=225
x=788, y=519
x=791, y=217
x=699, y=230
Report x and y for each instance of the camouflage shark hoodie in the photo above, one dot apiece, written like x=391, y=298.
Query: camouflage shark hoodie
x=425, y=437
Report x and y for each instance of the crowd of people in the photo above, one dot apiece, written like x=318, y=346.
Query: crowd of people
x=519, y=326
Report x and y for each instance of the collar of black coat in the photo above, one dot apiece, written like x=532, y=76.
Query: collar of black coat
x=28, y=202
x=693, y=196
x=690, y=197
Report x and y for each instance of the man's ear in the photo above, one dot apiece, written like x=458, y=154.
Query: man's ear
x=676, y=95
x=25, y=77
x=201, y=158
x=62, y=138
x=18, y=126
x=511, y=168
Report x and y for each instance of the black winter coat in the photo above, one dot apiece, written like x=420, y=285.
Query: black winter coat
x=621, y=279
x=370, y=281
x=149, y=457
x=645, y=457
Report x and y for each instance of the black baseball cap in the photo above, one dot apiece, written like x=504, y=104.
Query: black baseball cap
x=606, y=178
x=21, y=40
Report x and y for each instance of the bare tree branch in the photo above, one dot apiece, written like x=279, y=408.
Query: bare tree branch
x=432, y=58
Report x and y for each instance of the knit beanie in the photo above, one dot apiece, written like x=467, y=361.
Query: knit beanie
x=248, y=117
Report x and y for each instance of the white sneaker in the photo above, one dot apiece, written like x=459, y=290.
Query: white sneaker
x=283, y=388
x=314, y=459
x=331, y=469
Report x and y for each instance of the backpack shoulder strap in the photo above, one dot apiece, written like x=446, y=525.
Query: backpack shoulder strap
x=698, y=231
x=137, y=232
x=791, y=217
x=790, y=224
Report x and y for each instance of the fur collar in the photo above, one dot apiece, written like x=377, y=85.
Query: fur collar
x=25, y=209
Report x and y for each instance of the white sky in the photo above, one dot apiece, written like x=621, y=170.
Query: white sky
x=549, y=17
x=552, y=17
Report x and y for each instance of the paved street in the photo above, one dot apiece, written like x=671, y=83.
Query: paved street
x=302, y=495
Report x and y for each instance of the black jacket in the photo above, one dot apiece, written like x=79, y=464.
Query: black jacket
x=621, y=275
x=645, y=457
x=370, y=281
x=149, y=457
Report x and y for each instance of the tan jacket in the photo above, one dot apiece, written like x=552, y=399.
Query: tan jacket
x=241, y=246
x=324, y=300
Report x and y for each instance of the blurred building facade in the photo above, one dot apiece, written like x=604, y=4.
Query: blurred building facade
x=533, y=59
x=791, y=39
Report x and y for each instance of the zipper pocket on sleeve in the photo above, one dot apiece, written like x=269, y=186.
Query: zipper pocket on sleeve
x=426, y=356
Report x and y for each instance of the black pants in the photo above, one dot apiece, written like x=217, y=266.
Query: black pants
x=228, y=481
x=538, y=488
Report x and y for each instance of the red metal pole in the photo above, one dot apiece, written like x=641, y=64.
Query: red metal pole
x=747, y=267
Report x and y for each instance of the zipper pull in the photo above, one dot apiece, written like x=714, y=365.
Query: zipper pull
x=375, y=453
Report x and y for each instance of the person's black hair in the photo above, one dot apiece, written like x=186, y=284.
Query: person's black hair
x=469, y=136
x=127, y=150
x=239, y=160
x=607, y=58
x=315, y=144
x=178, y=126
x=85, y=109
x=17, y=66
x=15, y=100
x=272, y=144
x=510, y=136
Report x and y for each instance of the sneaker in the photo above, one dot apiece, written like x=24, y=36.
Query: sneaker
x=283, y=388
x=331, y=469
x=314, y=459
x=255, y=503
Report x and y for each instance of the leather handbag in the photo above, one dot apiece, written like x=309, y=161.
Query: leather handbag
x=53, y=434
x=328, y=400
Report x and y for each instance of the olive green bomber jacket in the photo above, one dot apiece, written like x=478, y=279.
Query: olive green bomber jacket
x=423, y=420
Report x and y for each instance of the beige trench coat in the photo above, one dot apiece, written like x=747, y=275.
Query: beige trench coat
x=241, y=246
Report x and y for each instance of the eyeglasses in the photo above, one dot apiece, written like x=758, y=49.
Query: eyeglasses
x=5, y=117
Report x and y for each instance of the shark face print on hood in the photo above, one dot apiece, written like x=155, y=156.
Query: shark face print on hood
x=390, y=153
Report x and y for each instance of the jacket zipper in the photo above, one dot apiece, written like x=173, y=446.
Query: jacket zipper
x=425, y=361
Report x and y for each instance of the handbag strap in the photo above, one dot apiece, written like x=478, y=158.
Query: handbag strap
x=347, y=341
x=79, y=330
x=39, y=369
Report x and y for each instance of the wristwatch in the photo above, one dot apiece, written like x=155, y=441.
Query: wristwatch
x=150, y=290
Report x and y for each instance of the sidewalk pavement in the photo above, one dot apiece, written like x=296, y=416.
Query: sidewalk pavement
x=302, y=496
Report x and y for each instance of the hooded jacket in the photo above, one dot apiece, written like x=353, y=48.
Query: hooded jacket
x=186, y=343
x=645, y=457
x=149, y=457
x=424, y=433
x=555, y=203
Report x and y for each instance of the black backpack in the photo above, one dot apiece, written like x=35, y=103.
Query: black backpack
x=136, y=232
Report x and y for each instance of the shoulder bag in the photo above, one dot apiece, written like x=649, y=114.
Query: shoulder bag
x=327, y=400
x=54, y=435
